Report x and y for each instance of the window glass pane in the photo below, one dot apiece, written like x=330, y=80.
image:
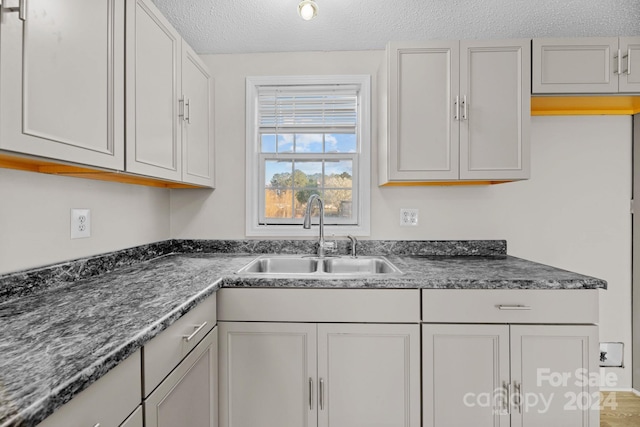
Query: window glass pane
x=308, y=174
x=268, y=143
x=338, y=203
x=278, y=173
x=309, y=143
x=278, y=203
x=285, y=143
x=338, y=174
x=340, y=143
x=300, y=202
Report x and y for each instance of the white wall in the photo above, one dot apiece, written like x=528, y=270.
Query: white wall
x=35, y=218
x=573, y=213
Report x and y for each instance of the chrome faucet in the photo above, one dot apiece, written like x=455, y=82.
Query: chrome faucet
x=322, y=245
x=354, y=242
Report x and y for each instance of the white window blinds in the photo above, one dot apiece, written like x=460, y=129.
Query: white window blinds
x=305, y=108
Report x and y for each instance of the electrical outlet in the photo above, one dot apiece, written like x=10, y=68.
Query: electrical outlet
x=80, y=223
x=408, y=217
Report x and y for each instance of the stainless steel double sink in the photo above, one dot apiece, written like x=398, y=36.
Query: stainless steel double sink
x=322, y=267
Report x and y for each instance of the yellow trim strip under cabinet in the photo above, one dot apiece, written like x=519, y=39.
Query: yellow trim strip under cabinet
x=8, y=161
x=622, y=105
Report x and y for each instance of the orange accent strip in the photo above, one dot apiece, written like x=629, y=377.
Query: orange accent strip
x=584, y=105
x=36, y=165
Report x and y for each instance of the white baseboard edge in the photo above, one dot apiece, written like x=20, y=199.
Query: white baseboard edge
x=622, y=390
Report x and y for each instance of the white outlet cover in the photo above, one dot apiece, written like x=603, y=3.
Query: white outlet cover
x=80, y=223
x=408, y=217
x=611, y=354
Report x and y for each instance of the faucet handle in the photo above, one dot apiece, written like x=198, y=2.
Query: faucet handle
x=331, y=245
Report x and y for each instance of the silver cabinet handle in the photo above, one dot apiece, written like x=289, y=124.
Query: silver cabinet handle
x=181, y=108
x=465, y=112
x=457, y=109
x=506, y=402
x=514, y=307
x=517, y=398
x=310, y=393
x=627, y=71
x=97, y=425
x=321, y=394
x=21, y=9
x=618, y=59
x=187, y=111
x=188, y=338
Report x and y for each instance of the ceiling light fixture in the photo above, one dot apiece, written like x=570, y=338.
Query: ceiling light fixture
x=307, y=9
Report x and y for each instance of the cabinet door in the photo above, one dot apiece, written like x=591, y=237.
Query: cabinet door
x=153, y=126
x=267, y=374
x=368, y=374
x=630, y=64
x=423, y=129
x=496, y=109
x=575, y=65
x=188, y=396
x=465, y=371
x=549, y=371
x=197, y=134
x=134, y=420
x=62, y=81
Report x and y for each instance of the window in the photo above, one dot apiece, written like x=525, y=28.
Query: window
x=308, y=135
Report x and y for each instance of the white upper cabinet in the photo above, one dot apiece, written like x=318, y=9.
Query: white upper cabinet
x=423, y=132
x=586, y=65
x=495, y=106
x=62, y=81
x=197, y=126
x=455, y=111
x=169, y=101
x=154, y=125
x=630, y=74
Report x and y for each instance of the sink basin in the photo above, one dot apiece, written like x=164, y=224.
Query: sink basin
x=296, y=265
x=281, y=265
x=362, y=265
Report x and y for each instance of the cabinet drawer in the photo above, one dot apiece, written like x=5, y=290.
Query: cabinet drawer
x=509, y=306
x=106, y=402
x=319, y=305
x=164, y=352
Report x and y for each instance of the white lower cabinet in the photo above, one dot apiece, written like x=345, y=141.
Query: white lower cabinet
x=107, y=402
x=135, y=419
x=509, y=375
x=308, y=374
x=188, y=396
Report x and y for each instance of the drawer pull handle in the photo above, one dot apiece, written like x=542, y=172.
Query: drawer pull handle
x=188, y=338
x=321, y=393
x=514, y=307
x=97, y=425
x=311, y=393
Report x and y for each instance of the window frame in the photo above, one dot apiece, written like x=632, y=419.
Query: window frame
x=255, y=165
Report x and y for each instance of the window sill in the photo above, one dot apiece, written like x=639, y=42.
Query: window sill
x=298, y=231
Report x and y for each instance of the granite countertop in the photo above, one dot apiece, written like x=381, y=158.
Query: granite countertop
x=59, y=337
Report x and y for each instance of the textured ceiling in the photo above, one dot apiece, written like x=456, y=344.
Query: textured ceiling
x=246, y=26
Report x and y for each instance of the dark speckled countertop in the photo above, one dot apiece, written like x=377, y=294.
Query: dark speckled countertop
x=62, y=329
